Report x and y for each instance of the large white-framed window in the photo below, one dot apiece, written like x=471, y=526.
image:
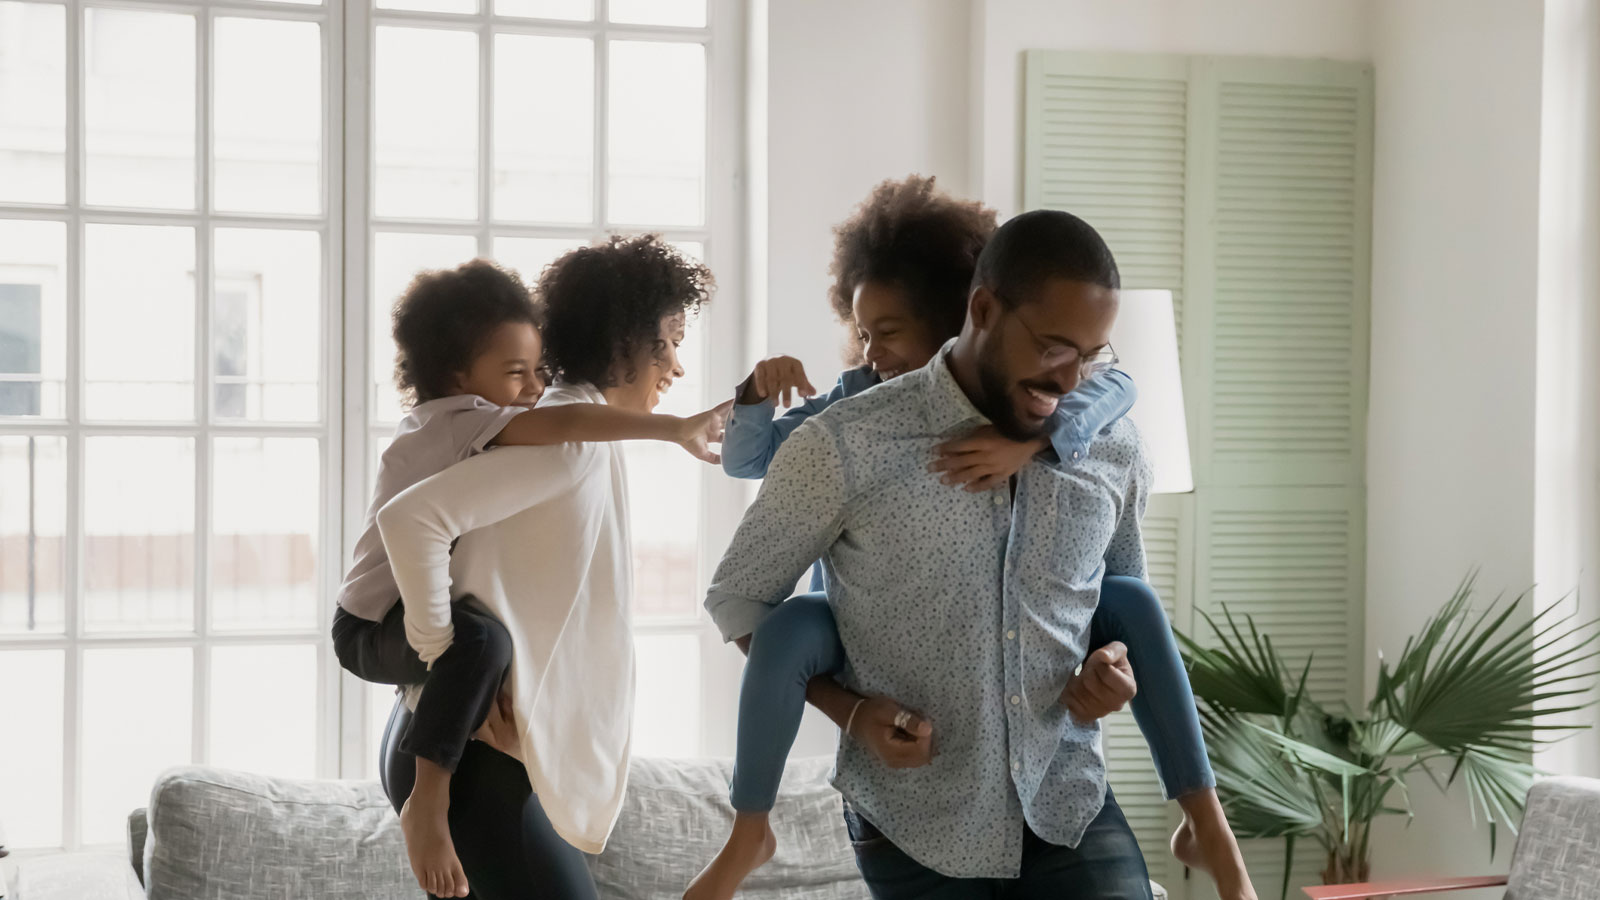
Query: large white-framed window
x=169, y=247
x=206, y=208
x=534, y=127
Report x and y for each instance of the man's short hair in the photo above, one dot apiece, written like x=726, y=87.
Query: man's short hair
x=1036, y=246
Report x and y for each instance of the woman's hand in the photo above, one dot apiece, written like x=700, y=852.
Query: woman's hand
x=983, y=459
x=699, y=432
x=776, y=378
x=892, y=733
x=499, y=728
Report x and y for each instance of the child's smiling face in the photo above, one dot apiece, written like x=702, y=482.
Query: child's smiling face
x=894, y=339
x=507, y=370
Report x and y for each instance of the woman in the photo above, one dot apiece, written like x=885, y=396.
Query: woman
x=549, y=555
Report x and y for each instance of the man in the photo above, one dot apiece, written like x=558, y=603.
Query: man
x=970, y=609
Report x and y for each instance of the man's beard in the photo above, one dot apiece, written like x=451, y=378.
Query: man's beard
x=997, y=406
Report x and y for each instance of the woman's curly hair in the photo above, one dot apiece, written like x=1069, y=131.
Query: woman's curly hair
x=910, y=234
x=446, y=317
x=604, y=301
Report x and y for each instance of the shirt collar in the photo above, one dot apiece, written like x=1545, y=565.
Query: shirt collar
x=948, y=406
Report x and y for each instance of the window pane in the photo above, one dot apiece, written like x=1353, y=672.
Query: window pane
x=33, y=320
x=688, y=13
x=426, y=134
x=138, y=713
x=577, y=10
x=664, y=508
x=267, y=116
x=33, y=527
x=138, y=551
x=263, y=712
x=529, y=256
x=31, y=755
x=445, y=6
x=666, y=709
x=664, y=500
x=396, y=259
x=139, y=108
x=266, y=325
x=265, y=504
x=33, y=103
x=658, y=133
x=138, y=325
x=543, y=128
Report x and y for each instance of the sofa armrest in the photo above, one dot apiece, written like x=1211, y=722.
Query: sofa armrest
x=1400, y=887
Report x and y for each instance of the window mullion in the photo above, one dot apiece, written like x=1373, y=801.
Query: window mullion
x=72, y=700
x=355, y=375
x=485, y=135
x=602, y=107
x=204, y=72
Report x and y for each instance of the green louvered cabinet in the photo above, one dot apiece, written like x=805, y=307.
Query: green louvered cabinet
x=1243, y=186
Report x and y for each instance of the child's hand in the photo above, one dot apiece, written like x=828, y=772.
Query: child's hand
x=983, y=459
x=701, y=431
x=777, y=378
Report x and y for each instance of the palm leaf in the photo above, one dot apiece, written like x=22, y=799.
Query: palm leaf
x=1266, y=796
x=1239, y=675
x=1480, y=683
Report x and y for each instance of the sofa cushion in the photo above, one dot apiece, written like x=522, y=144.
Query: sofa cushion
x=1558, y=849
x=675, y=817
x=216, y=834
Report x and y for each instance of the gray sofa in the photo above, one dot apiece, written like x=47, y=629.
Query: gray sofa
x=211, y=834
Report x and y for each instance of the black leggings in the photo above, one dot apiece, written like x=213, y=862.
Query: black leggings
x=506, y=844
x=460, y=688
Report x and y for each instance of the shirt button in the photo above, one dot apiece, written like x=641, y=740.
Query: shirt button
x=1015, y=699
x=999, y=500
x=1016, y=766
x=1011, y=635
x=1074, y=454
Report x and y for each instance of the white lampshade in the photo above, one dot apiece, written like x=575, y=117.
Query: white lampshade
x=1146, y=341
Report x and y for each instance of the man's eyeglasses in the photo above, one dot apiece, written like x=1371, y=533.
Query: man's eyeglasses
x=1055, y=355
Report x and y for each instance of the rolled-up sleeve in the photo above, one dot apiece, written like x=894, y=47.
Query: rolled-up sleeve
x=1087, y=408
x=795, y=518
x=755, y=432
x=420, y=523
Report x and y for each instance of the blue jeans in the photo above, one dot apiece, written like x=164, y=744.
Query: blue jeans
x=800, y=641
x=1106, y=865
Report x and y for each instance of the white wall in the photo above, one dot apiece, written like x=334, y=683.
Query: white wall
x=1003, y=29
x=1454, y=274
x=858, y=92
x=1567, y=461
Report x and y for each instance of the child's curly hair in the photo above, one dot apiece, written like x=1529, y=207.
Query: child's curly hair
x=444, y=319
x=910, y=234
x=604, y=301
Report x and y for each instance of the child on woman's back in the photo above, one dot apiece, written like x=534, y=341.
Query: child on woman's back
x=469, y=361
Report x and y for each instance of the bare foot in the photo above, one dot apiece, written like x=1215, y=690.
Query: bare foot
x=1186, y=847
x=425, y=822
x=749, y=847
x=1205, y=841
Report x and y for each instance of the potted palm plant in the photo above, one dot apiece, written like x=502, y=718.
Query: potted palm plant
x=1467, y=700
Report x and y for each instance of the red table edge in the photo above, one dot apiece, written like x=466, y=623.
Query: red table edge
x=1400, y=886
